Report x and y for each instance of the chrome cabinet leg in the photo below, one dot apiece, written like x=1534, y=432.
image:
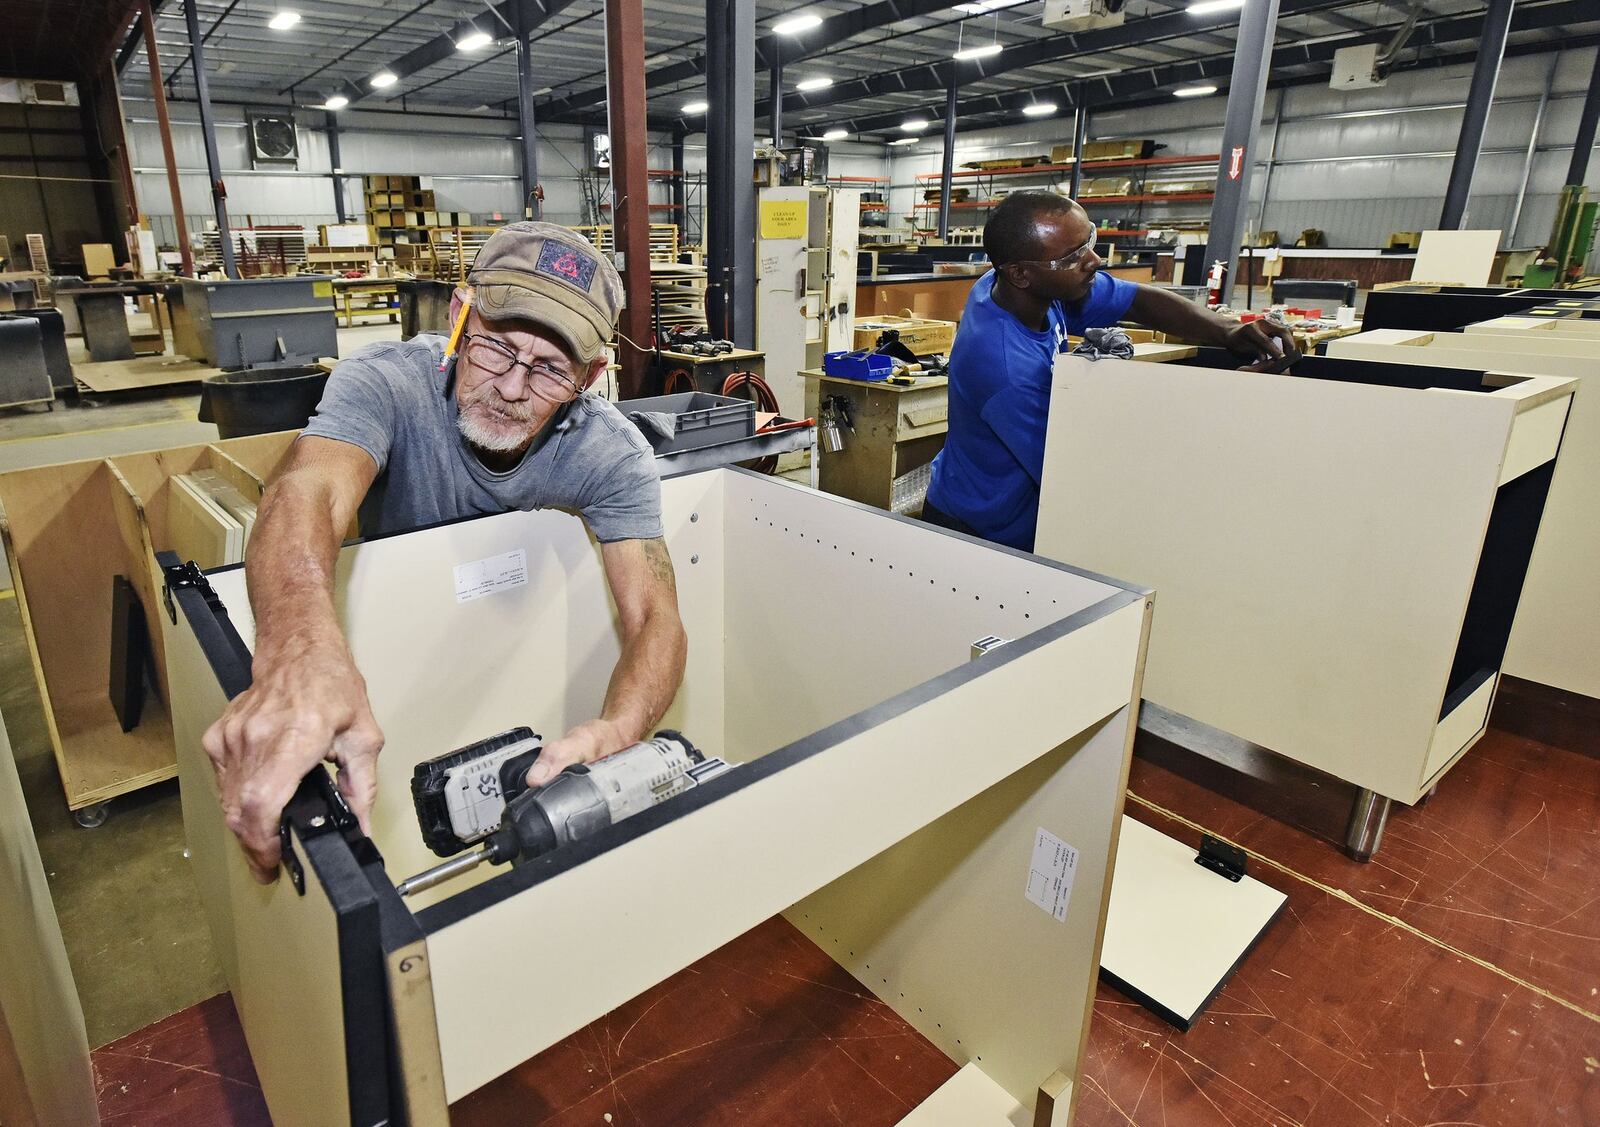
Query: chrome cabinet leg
x=1367, y=818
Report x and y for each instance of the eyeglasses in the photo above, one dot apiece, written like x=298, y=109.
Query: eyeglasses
x=493, y=357
x=1069, y=259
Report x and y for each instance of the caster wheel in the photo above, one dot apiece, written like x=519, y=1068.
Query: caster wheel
x=92, y=817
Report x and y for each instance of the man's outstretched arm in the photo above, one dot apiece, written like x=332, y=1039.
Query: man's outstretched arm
x=307, y=702
x=647, y=675
x=1166, y=311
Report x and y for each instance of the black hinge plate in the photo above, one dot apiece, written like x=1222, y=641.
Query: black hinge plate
x=1221, y=858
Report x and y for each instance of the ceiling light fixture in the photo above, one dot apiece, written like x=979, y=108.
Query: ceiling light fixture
x=1039, y=109
x=382, y=79
x=984, y=6
x=905, y=141
x=794, y=25
x=1206, y=7
x=914, y=125
x=1194, y=91
x=818, y=83
x=696, y=107
x=474, y=40
x=980, y=52
x=835, y=134
x=284, y=19
x=337, y=102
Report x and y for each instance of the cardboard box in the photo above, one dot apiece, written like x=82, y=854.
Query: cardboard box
x=1102, y=186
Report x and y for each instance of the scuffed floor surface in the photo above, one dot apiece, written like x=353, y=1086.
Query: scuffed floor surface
x=1453, y=981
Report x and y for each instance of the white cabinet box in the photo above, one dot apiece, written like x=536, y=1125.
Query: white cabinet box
x=889, y=791
x=1337, y=554
x=1556, y=637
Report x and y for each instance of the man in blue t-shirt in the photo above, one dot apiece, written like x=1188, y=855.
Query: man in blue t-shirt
x=1046, y=283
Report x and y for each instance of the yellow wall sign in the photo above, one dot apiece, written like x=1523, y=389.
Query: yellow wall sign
x=322, y=289
x=783, y=219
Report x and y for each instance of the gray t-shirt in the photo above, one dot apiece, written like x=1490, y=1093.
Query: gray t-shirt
x=389, y=400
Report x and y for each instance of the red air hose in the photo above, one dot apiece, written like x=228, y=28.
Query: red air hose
x=766, y=403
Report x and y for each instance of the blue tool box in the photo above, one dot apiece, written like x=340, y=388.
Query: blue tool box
x=862, y=365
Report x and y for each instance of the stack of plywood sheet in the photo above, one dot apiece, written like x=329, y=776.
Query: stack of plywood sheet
x=209, y=521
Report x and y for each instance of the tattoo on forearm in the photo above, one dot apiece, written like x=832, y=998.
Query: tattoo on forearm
x=655, y=552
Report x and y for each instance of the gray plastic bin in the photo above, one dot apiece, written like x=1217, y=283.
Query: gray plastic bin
x=702, y=419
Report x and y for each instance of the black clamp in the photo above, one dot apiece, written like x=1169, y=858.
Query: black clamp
x=317, y=808
x=187, y=574
x=1221, y=858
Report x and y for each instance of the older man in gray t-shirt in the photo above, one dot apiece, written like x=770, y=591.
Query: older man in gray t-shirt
x=496, y=417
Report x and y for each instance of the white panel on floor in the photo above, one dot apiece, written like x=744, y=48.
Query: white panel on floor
x=1175, y=930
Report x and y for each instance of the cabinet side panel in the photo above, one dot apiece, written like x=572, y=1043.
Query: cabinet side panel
x=280, y=950
x=672, y=885
x=1552, y=641
x=940, y=927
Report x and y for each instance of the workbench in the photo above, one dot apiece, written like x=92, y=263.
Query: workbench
x=898, y=432
x=894, y=432
x=378, y=297
x=967, y=891
x=708, y=373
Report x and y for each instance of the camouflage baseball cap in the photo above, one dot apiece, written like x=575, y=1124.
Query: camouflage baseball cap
x=552, y=276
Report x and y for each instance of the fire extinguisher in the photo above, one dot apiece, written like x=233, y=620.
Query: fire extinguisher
x=1214, y=280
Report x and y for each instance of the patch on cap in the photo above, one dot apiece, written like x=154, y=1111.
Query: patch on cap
x=566, y=263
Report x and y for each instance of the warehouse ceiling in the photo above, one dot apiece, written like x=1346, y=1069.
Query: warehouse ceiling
x=887, y=60
x=60, y=39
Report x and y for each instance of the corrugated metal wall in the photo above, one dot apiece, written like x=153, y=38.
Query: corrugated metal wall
x=1357, y=165
x=62, y=208
x=473, y=162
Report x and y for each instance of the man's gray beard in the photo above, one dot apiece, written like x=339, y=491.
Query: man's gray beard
x=496, y=440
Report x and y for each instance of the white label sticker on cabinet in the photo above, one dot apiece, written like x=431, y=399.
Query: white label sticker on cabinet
x=488, y=577
x=1055, y=863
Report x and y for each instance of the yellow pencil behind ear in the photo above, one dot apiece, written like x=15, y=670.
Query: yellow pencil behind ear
x=455, y=334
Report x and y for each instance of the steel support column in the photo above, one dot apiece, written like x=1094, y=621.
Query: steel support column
x=1480, y=95
x=630, y=185
x=775, y=102
x=147, y=23
x=336, y=164
x=680, y=188
x=1584, y=147
x=208, y=130
x=525, y=115
x=947, y=167
x=730, y=151
x=1247, y=93
x=1080, y=137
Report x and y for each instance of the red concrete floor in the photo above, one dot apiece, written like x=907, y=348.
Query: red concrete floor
x=1453, y=981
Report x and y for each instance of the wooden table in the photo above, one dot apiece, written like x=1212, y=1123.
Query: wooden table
x=898, y=431
x=347, y=290
x=708, y=373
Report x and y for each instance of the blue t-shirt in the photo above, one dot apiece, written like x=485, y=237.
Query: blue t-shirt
x=988, y=472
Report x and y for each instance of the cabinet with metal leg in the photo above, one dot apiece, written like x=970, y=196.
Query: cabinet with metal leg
x=1338, y=553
